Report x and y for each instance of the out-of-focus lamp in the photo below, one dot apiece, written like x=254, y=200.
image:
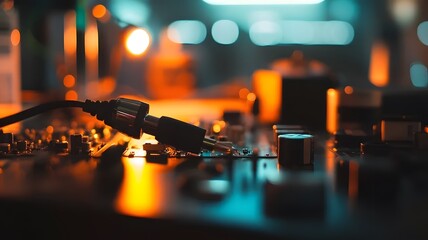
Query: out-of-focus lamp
x=137, y=41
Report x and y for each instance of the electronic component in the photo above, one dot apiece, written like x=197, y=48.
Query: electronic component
x=295, y=150
x=131, y=117
x=401, y=130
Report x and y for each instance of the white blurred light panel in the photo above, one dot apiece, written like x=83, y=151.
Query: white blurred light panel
x=261, y=2
x=419, y=75
x=423, y=32
x=187, y=32
x=225, y=32
x=266, y=33
x=302, y=32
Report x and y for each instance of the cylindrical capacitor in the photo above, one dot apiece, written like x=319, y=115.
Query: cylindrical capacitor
x=295, y=150
x=278, y=132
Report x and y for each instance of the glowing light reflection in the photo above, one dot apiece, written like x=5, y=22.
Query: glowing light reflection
x=266, y=33
x=261, y=2
x=225, y=32
x=332, y=105
x=140, y=194
x=187, y=32
x=133, y=12
x=137, y=41
x=15, y=37
x=419, y=75
x=423, y=32
x=379, y=65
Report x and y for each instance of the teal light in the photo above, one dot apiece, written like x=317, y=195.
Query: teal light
x=295, y=136
x=346, y=10
x=225, y=32
x=423, y=32
x=130, y=12
x=266, y=33
x=187, y=32
x=261, y=2
x=419, y=75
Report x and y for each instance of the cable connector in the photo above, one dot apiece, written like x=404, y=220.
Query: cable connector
x=124, y=115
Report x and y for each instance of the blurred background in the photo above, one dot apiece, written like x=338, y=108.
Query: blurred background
x=167, y=49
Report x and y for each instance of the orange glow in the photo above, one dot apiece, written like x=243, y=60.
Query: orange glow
x=49, y=129
x=137, y=41
x=329, y=158
x=99, y=11
x=426, y=129
x=108, y=85
x=71, y=95
x=7, y=4
x=15, y=37
x=332, y=105
x=353, y=180
x=216, y=128
x=348, y=90
x=379, y=65
x=91, y=41
x=251, y=97
x=69, y=81
x=140, y=194
x=267, y=85
x=243, y=93
x=70, y=34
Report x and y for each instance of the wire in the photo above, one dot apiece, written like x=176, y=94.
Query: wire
x=31, y=112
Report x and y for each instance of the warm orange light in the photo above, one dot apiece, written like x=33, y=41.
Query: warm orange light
x=426, y=129
x=267, y=86
x=140, y=194
x=330, y=157
x=251, y=97
x=243, y=93
x=332, y=106
x=353, y=180
x=91, y=41
x=216, y=128
x=379, y=65
x=49, y=129
x=7, y=4
x=69, y=81
x=71, y=95
x=70, y=34
x=99, y=11
x=348, y=90
x=15, y=37
x=137, y=41
x=107, y=85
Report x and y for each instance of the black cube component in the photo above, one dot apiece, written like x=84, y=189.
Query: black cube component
x=6, y=137
x=351, y=138
x=304, y=101
x=21, y=146
x=75, y=143
x=295, y=150
x=181, y=135
x=232, y=117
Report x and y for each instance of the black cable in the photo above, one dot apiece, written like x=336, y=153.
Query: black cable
x=31, y=112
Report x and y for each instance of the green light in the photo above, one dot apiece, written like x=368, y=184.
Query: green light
x=262, y=2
